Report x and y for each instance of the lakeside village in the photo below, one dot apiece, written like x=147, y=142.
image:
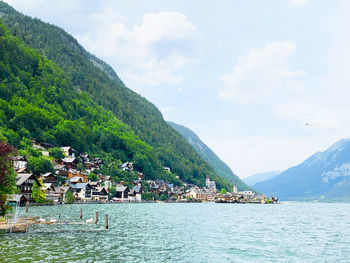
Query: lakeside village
x=76, y=186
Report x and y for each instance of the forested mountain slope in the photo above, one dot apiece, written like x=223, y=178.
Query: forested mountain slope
x=37, y=100
x=207, y=154
x=99, y=82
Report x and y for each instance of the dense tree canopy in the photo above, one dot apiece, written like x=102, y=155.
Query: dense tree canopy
x=39, y=165
x=56, y=152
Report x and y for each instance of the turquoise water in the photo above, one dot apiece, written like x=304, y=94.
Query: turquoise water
x=205, y=232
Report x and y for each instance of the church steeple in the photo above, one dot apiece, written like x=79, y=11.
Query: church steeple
x=234, y=190
x=207, y=182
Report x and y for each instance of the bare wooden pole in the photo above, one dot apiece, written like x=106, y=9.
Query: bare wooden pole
x=106, y=221
x=96, y=217
x=27, y=206
x=59, y=215
x=81, y=213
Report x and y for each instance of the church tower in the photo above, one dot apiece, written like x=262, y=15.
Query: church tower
x=207, y=182
x=234, y=190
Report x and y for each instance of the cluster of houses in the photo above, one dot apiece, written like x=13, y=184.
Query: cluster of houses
x=209, y=193
x=68, y=178
x=65, y=178
x=243, y=197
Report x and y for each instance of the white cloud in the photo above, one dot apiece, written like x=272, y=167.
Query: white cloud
x=297, y=2
x=163, y=26
x=262, y=73
x=151, y=53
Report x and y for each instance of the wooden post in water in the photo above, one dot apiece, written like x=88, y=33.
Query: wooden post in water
x=81, y=213
x=59, y=215
x=27, y=206
x=96, y=217
x=106, y=221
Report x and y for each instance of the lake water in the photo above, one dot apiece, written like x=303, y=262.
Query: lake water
x=208, y=232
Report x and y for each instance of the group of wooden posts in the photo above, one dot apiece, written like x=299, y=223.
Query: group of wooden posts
x=96, y=218
x=81, y=215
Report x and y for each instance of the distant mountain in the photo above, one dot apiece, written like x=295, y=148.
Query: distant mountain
x=323, y=176
x=256, y=178
x=207, y=154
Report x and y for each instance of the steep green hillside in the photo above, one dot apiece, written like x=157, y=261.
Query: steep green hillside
x=37, y=100
x=99, y=82
x=207, y=154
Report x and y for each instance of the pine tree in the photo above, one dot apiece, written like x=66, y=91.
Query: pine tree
x=69, y=197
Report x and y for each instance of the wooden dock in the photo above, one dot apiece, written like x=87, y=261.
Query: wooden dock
x=23, y=224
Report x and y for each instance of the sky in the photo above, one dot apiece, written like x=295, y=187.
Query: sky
x=264, y=83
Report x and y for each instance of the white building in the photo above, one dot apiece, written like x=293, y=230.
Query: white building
x=234, y=189
x=68, y=151
x=82, y=191
x=19, y=162
x=247, y=193
x=135, y=193
x=210, y=184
